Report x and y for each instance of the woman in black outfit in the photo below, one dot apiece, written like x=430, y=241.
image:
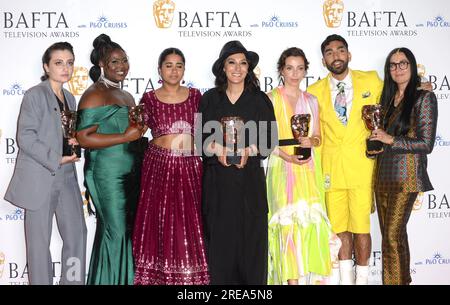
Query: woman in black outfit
x=234, y=195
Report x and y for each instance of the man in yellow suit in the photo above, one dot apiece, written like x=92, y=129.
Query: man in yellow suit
x=347, y=170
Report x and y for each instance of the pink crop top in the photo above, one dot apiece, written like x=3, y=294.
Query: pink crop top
x=163, y=118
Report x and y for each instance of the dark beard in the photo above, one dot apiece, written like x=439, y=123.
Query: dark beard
x=338, y=71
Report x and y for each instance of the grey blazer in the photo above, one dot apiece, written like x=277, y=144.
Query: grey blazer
x=39, y=138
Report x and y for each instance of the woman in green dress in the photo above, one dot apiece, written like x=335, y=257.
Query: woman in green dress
x=111, y=176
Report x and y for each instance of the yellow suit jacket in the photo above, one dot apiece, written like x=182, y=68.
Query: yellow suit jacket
x=344, y=161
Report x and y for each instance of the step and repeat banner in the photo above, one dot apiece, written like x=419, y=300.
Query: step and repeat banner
x=200, y=28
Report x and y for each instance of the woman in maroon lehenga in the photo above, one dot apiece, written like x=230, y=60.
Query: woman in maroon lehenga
x=168, y=242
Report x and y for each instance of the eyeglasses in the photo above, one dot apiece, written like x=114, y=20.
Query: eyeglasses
x=403, y=65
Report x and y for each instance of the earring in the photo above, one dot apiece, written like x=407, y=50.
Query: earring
x=183, y=82
x=160, y=81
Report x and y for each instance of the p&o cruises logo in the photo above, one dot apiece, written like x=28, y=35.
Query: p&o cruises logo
x=277, y=22
x=437, y=22
x=18, y=214
x=104, y=23
x=14, y=90
x=436, y=259
x=441, y=142
x=366, y=23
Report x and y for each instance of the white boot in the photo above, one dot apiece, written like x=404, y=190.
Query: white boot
x=346, y=272
x=362, y=275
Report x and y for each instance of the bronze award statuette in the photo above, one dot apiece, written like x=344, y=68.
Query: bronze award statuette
x=69, y=123
x=136, y=118
x=373, y=118
x=232, y=127
x=300, y=128
x=136, y=114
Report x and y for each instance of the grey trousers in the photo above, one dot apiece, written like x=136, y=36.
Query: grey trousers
x=66, y=203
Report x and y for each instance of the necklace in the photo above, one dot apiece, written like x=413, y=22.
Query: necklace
x=109, y=83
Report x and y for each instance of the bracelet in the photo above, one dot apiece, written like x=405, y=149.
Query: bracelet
x=318, y=141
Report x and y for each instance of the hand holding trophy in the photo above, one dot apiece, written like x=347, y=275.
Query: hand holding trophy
x=373, y=119
x=232, y=127
x=68, y=124
x=300, y=128
x=136, y=115
x=136, y=118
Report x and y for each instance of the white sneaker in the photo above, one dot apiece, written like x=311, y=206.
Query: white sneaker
x=362, y=275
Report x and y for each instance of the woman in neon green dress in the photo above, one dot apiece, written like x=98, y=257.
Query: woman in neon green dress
x=299, y=230
x=111, y=176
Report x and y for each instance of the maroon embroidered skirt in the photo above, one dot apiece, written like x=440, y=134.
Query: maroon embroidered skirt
x=168, y=242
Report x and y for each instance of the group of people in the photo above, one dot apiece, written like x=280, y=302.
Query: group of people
x=184, y=212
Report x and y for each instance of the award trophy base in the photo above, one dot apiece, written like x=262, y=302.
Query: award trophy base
x=375, y=146
x=303, y=153
x=69, y=150
x=233, y=159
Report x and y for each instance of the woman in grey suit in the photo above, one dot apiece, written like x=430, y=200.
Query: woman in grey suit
x=44, y=182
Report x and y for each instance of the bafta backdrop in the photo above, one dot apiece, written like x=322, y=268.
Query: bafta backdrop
x=199, y=28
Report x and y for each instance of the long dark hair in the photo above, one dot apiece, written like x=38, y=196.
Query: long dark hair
x=410, y=96
x=57, y=46
x=251, y=82
x=103, y=46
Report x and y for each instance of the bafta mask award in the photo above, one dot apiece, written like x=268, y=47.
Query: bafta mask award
x=373, y=118
x=2, y=263
x=136, y=115
x=421, y=72
x=68, y=123
x=300, y=128
x=232, y=127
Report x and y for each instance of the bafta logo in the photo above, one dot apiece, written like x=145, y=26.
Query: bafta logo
x=373, y=116
x=300, y=128
x=163, y=11
x=421, y=72
x=232, y=127
x=79, y=81
x=2, y=263
x=257, y=72
x=419, y=201
x=332, y=12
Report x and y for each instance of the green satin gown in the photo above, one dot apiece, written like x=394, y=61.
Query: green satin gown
x=111, y=180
